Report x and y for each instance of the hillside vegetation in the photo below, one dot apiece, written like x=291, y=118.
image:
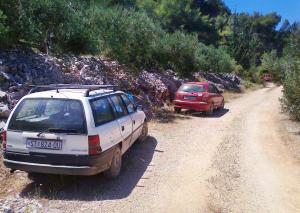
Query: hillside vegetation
x=183, y=35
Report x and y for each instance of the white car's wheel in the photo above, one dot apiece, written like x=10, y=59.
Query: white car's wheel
x=177, y=110
x=144, y=133
x=116, y=164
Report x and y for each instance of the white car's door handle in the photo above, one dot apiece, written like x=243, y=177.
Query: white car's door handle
x=123, y=128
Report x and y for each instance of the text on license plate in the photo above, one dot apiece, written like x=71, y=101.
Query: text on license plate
x=44, y=144
x=189, y=97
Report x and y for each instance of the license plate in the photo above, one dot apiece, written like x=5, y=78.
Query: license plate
x=44, y=144
x=189, y=97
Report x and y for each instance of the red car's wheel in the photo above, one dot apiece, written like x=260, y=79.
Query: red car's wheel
x=222, y=105
x=177, y=110
x=210, y=110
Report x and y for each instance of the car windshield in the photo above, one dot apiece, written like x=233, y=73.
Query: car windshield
x=192, y=88
x=41, y=115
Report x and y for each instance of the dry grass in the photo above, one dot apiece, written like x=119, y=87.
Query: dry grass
x=228, y=96
x=166, y=114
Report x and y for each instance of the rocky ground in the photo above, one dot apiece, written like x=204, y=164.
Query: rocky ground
x=21, y=68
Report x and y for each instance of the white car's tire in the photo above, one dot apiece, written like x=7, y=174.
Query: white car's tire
x=116, y=164
x=144, y=133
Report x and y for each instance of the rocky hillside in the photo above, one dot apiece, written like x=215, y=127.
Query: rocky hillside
x=21, y=68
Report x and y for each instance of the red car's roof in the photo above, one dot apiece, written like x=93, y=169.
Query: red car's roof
x=201, y=83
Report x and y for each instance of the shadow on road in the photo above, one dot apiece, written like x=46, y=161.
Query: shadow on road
x=217, y=113
x=168, y=116
x=135, y=163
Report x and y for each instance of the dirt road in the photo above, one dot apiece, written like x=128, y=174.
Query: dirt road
x=245, y=158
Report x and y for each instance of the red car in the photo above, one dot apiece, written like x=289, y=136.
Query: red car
x=199, y=96
x=266, y=77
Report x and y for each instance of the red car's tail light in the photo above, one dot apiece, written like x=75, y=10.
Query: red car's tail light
x=4, y=138
x=94, y=145
x=205, y=97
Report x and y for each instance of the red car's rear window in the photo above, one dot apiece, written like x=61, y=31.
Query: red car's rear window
x=192, y=88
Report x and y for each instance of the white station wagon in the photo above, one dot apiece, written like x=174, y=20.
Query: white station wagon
x=72, y=130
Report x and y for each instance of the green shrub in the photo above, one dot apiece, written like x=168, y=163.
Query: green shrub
x=9, y=22
x=290, y=64
x=126, y=35
x=177, y=51
x=214, y=59
x=291, y=89
x=183, y=53
x=271, y=64
x=50, y=25
x=3, y=29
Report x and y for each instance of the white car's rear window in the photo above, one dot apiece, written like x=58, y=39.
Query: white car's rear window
x=53, y=115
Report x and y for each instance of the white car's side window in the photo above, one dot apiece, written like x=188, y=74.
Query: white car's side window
x=102, y=111
x=128, y=103
x=119, y=106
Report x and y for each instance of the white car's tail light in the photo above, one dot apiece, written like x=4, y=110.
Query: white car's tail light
x=94, y=144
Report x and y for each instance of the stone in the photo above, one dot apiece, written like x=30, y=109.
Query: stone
x=6, y=76
x=4, y=110
x=13, y=69
x=2, y=125
x=3, y=95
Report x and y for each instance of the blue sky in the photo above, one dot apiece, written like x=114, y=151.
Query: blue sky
x=288, y=9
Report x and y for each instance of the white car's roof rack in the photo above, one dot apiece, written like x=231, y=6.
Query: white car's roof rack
x=88, y=88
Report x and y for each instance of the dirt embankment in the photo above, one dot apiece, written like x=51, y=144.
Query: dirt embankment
x=243, y=159
x=20, y=68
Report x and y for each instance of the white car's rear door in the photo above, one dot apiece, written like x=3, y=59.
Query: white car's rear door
x=124, y=121
x=106, y=126
x=137, y=118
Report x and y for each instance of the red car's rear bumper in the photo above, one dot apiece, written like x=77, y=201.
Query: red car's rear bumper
x=197, y=106
x=266, y=79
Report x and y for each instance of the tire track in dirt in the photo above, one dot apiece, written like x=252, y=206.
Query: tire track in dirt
x=248, y=176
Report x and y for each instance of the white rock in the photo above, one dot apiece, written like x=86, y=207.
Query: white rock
x=4, y=111
x=2, y=94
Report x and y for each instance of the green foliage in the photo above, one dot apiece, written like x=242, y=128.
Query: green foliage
x=271, y=63
x=127, y=35
x=252, y=36
x=177, y=51
x=291, y=84
x=184, y=54
x=49, y=25
x=183, y=15
x=215, y=59
x=212, y=8
x=3, y=29
x=10, y=13
x=253, y=74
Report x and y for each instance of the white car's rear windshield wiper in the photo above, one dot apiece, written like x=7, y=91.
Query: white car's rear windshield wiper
x=58, y=130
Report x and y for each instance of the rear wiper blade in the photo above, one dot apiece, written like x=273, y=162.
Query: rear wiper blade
x=58, y=130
